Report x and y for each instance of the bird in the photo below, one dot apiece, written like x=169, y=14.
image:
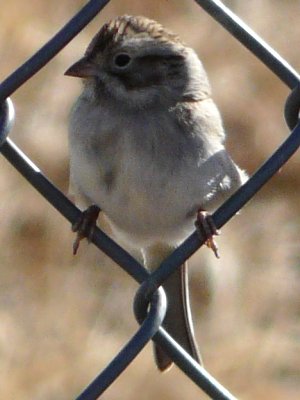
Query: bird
x=147, y=148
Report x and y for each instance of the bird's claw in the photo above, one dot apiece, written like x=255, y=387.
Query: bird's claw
x=207, y=229
x=85, y=225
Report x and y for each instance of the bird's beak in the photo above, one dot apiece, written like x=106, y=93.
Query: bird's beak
x=82, y=68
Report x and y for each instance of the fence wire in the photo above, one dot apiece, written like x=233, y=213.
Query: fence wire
x=151, y=319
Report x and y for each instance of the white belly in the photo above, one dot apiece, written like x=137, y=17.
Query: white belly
x=148, y=178
x=146, y=204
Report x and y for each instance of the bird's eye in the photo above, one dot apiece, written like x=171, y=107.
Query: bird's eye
x=121, y=60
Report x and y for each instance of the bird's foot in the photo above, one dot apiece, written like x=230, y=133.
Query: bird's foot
x=207, y=229
x=85, y=225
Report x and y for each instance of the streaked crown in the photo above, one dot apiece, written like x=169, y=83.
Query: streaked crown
x=125, y=27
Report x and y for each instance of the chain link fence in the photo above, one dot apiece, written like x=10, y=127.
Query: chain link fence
x=151, y=317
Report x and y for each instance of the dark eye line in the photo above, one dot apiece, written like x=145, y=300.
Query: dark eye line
x=158, y=57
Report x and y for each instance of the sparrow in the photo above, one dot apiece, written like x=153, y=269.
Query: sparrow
x=147, y=147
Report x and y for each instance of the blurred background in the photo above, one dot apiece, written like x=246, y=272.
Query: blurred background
x=63, y=318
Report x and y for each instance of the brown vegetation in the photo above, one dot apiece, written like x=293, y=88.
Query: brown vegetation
x=63, y=318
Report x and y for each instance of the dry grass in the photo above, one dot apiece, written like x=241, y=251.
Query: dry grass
x=63, y=318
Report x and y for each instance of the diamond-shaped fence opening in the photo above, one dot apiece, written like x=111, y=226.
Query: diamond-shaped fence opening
x=151, y=320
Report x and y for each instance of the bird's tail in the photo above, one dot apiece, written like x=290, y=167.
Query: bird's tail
x=178, y=321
